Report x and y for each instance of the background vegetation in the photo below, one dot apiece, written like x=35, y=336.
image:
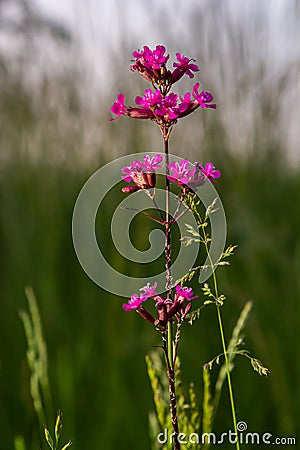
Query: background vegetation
x=53, y=138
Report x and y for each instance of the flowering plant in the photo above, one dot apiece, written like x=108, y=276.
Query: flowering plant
x=169, y=311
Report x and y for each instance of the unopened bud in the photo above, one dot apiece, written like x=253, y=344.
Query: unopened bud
x=174, y=309
x=129, y=189
x=139, y=113
x=145, y=314
x=151, y=179
x=187, y=308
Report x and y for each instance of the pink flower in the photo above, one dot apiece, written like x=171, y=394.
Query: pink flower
x=148, y=291
x=151, y=58
x=152, y=164
x=149, y=63
x=210, y=171
x=166, y=107
x=193, y=178
x=169, y=108
x=133, y=303
x=180, y=173
x=182, y=67
x=186, y=99
x=135, y=167
x=142, y=173
x=204, y=98
x=118, y=108
x=184, y=293
x=156, y=58
x=149, y=99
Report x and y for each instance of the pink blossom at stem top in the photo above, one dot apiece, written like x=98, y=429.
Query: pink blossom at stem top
x=153, y=59
x=182, y=67
x=118, y=108
x=203, y=98
x=151, y=64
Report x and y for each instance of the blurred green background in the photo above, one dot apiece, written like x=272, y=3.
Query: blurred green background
x=54, y=103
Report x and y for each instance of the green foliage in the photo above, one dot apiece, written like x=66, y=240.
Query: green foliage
x=187, y=406
x=19, y=443
x=189, y=409
x=207, y=407
x=54, y=441
x=37, y=359
x=161, y=420
x=39, y=381
x=235, y=340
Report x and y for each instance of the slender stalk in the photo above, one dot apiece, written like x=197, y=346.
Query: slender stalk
x=173, y=407
x=165, y=135
x=228, y=378
x=232, y=403
x=172, y=395
x=157, y=208
x=167, y=224
x=168, y=344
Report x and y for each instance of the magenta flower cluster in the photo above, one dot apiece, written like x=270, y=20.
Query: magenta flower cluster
x=193, y=178
x=158, y=104
x=166, y=309
x=143, y=173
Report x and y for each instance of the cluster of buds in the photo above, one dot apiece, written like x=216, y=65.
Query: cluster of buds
x=157, y=104
x=166, y=309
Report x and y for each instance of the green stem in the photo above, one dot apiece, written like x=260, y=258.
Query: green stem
x=169, y=344
x=165, y=134
x=228, y=378
x=232, y=404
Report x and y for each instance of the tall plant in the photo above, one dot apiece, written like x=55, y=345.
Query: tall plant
x=174, y=306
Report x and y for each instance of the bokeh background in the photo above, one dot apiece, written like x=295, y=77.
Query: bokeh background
x=61, y=66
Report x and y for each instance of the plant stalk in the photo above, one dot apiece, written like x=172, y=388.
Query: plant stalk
x=168, y=345
x=232, y=403
x=172, y=396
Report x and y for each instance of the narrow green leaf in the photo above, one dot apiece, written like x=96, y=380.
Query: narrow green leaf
x=207, y=406
x=68, y=444
x=48, y=438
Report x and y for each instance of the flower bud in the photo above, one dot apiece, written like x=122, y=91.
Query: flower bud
x=145, y=314
x=129, y=189
x=151, y=179
x=174, y=309
x=187, y=308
